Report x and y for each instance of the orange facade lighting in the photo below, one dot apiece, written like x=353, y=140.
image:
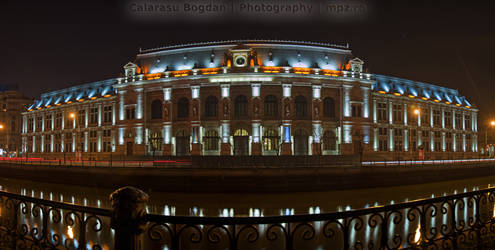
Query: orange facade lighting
x=180, y=73
x=304, y=71
x=271, y=69
x=210, y=71
x=328, y=72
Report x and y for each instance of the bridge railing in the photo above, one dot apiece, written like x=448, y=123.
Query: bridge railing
x=464, y=220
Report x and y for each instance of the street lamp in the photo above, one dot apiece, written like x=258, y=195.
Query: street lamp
x=1, y=128
x=492, y=124
x=416, y=112
x=73, y=116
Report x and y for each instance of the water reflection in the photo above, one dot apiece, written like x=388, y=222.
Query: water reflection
x=252, y=205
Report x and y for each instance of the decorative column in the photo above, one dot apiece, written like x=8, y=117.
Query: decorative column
x=98, y=146
x=375, y=139
x=195, y=121
x=86, y=141
x=431, y=117
x=444, y=146
x=286, y=121
x=86, y=116
x=453, y=119
x=140, y=147
x=374, y=111
x=24, y=124
x=122, y=104
x=167, y=124
x=443, y=118
x=347, y=100
x=63, y=120
x=390, y=112
x=225, y=145
x=317, y=131
x=256, y=122
x=53, y=121
x=139, y=103
x=366, y=105
x=43, y=122
x=52, y=139
x=99, y=114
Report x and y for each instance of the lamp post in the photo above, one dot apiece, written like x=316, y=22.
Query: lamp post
x=492, y=124
x=73, y=116
x=2, y=127
x=416, y=112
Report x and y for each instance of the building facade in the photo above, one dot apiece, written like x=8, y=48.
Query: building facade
x=12, y=103
x=252, y=98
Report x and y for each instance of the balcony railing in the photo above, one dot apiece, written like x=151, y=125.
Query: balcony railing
x=463, y=220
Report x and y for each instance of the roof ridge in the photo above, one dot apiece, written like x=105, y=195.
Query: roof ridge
x=296, y=42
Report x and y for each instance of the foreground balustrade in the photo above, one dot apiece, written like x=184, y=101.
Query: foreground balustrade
x=451, y=222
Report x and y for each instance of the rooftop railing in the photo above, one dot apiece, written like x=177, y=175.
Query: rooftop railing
x=456, y=221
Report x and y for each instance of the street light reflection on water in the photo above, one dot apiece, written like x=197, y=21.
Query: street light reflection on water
x=250, y=205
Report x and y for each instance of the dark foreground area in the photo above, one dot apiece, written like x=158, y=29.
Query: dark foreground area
x=252, y=179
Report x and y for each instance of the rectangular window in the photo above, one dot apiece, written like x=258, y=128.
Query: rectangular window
x=397, y=113
x=92, y=147
x=130, y=113
x=93, y=115
x=425, y=117
x=48, y=122
x=458, y=118
x=382, y=131
x=107, y=147
x=382, y=111
x=467, y=122
x=356, y=110
x=93, y=134
x=39, y=123
x=448, y=119
x=30, y=124
x=382, y=145
x=437, y=117
x=58, y=120
x=81, y=115
x=107, y=114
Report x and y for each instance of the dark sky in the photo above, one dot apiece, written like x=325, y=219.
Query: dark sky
x=48, y=45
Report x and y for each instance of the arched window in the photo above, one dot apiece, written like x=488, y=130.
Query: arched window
x=301, y=106
x=241, y=132
x=329, y=140
x=156, y=109
x=183, y=108
x=211, y=106
x=271, y=106
x=329, y=107
x=156, y=141
x=211, y=140
x=270, y=140
x=241, y=106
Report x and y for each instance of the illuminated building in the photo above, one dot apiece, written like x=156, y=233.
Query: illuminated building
x=12, y=104
x=252, y=98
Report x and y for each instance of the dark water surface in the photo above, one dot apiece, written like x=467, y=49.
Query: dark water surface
x=246, y=204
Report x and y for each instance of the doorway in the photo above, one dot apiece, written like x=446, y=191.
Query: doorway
x=241, y=142
x=300, y=142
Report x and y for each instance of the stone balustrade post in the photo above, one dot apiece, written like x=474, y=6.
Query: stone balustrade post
x=128, y=210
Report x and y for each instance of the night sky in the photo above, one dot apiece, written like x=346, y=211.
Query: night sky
x=49, y=45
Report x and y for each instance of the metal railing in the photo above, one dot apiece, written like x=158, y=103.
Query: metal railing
x=457, y=221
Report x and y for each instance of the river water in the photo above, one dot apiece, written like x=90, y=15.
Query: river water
x=245, y=204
